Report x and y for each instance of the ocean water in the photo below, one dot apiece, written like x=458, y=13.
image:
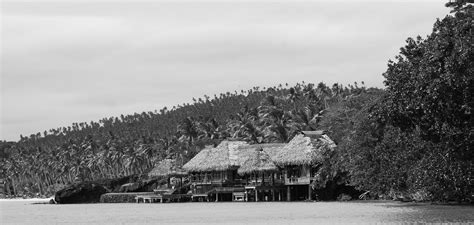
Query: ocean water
x=357, y=212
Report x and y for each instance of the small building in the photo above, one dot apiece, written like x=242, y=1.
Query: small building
x=167, y=169
x=299, y=161
x=263, y=179
x=238, y=171
x=213, y=171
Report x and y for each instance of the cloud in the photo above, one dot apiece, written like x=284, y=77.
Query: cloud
x=70, y=62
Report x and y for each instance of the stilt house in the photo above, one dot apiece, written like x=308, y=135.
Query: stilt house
x=238, y=171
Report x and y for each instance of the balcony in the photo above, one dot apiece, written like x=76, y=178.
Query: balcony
x=201, y=179
x=297, y=180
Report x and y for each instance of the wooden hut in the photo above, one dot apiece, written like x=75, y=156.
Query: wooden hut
x=262, y=176
x=168, y=169
x=214, y=171
x=298, y=160
x=257, y=161
x=236, y=170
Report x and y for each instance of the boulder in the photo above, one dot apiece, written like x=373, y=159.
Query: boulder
x=90, y=191
x=129, y=187
x=85, y=192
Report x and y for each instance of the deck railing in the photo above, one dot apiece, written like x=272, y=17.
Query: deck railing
x=297, y=180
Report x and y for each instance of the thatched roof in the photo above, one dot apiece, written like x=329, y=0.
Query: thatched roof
x=304, y=150
x=220, y=158
x=255, y=159
x=166, y=168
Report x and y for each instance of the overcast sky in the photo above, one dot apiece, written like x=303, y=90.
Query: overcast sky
x=73, y=61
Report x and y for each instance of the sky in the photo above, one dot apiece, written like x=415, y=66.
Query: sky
x=75, y=61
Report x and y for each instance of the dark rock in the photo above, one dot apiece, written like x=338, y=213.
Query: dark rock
x=85, y=192
x=90, y=191
x=114, y=185
x=129, y=187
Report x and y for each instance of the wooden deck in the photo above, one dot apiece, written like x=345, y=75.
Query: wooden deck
x=161, y=198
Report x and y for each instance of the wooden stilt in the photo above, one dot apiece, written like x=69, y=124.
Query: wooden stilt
x=217, y=197
x=288, y=193
x=273, y=195
x=256, y=195
x=296, y=193
x=309, y=192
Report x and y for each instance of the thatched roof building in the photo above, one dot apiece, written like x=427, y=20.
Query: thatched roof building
x=255, y=159
x=167, y=168
x=304, y=149
x=220, y=158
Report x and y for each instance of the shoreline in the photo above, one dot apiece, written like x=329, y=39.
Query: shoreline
x=47, y=200
x=25, y=199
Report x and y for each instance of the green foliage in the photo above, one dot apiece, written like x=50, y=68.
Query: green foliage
x=133, y=144
x=418, y=136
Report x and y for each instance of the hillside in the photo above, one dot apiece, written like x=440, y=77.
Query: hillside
x=132, y=144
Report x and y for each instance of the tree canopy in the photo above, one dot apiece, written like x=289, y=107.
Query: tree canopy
x=418, y=136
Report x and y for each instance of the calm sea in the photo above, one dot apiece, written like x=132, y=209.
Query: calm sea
x=25, y=212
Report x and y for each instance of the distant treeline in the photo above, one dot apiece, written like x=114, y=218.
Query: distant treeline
x=415, y=137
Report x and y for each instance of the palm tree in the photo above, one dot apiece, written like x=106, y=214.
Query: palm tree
x=307, y=118
x=188, y=128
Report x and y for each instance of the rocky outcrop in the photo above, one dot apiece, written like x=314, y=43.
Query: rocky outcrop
x=85, y=192
x=129, y=187
x=90, y=191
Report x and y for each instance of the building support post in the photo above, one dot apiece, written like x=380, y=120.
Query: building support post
x=256, y=195
x=309, y=192
x=273, y=195
x=288, y=193
x=217, y=197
